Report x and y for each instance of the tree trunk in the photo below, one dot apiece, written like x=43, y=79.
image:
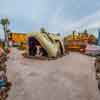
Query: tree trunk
x=73, y=36
x=6, y=36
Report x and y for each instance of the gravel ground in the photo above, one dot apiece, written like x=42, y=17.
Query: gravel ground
x=71, y=77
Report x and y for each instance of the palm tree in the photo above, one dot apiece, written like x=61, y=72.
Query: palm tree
x=58, y=34
x=79, y=35
x=73, y=34
x=5, y=22
x=92, y=39
x=42, y=30
x=85, y=33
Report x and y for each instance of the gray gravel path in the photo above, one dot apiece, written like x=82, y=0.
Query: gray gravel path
x=71, y=77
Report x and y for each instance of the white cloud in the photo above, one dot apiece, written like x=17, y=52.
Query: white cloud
x=56, y=16
x=91, y=22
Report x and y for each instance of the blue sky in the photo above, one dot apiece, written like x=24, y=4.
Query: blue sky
x=60, y=16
